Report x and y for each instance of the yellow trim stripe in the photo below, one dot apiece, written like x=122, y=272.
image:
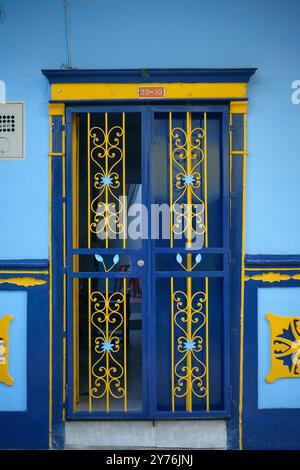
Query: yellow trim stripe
x=117, y=91
x=242, y=290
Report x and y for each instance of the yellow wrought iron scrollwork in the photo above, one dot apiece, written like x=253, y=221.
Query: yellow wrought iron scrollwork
x=188, y=334
x=107, y=215
x=108, y=377
x=186, y=157
x=106, y=150
x=189, y=217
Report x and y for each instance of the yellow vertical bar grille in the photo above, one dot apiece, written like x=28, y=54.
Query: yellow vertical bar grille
x=107, y=180
x=189, y=308
x=108, y=318
x=189, y=262
x=107, y=306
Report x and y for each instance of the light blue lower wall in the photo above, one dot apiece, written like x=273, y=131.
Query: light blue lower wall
x=14, y=398
x=283, y=393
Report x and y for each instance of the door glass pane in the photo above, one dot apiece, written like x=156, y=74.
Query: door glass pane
x=187, y=167
x=189, y=348
x=107, y=179
x=108, y=334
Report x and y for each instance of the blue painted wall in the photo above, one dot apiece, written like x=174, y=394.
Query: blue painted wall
x=120, y=34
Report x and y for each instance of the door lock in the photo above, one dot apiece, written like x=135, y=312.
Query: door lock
x=140, y=263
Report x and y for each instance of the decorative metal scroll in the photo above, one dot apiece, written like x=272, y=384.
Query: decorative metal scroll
x=108, y=374
x=106, y=156
x=187, y=155
x=189, y=321
x=189, y=306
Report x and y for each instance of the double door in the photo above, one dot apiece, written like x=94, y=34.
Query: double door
x=147, y=262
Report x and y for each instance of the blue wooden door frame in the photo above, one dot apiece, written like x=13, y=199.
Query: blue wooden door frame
x=147, y=113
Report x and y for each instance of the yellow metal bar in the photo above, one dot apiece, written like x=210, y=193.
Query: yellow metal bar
x=171, y=179
x=125, y=345
x=207, y=346
x=107, y=339
x=90, y=344
x=189, y=262
x=89, y=178
x=106, y=187
x=172, y=343
x=124, y=182
x=189, y=335
x=117, y=91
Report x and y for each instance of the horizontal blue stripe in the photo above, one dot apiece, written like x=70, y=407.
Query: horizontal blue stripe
x=24, y=264
x=272, y=261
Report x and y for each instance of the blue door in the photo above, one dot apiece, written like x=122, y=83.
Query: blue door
x=147, y=262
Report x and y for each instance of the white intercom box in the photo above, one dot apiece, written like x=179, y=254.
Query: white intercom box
x=12, y=132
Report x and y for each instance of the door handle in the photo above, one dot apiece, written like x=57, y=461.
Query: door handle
x=140, y=263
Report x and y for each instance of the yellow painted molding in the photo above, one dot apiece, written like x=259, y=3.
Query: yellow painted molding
x=56, y=109
x=117, y=91
x=238, y=107
x=23, y=281
x=5, y=377
x=272, y=277
x=269, y=277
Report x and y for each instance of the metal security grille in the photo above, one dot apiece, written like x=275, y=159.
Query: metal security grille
x=189, y=307
x=147, y=315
